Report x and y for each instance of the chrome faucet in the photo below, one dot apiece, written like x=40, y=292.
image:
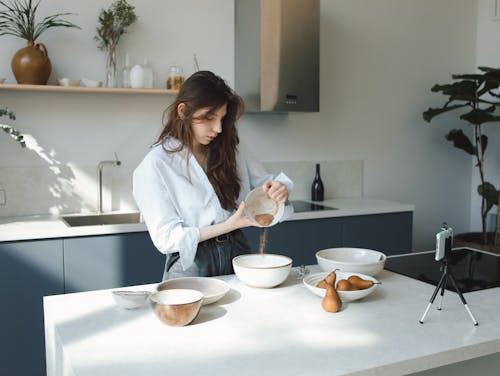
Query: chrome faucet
x=100, y=166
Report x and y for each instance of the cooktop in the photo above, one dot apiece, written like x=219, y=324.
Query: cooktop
x=304, y=206
x=473, y=270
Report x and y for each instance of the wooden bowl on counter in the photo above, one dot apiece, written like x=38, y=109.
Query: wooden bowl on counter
x=177, y=307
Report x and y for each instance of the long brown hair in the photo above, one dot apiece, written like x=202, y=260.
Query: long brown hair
x=204, y=89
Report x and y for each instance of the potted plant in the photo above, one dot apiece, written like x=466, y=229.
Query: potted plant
x=113, y=23
x=477, y=95
x=13, y=132
x=30, y=65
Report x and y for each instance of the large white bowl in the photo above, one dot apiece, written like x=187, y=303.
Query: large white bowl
x=212, y=289
x=355, y=260
x=312, y=280
x=262, y=270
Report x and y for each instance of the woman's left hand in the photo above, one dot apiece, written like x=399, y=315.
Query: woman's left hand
x=276, y=190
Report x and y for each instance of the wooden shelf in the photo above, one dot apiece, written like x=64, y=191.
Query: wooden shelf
x=83, y=89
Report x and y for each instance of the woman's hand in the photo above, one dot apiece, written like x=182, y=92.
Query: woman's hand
x=234, y=222
x=276, y=190
x=238, y=219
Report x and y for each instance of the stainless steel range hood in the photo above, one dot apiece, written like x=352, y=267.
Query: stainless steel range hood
x=277, y=55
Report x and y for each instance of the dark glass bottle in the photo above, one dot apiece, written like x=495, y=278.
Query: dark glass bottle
x=317, y=190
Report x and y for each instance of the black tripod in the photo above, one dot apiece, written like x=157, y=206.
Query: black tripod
x=442, y=285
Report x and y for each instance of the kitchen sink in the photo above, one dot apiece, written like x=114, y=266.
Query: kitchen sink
x=101, y=219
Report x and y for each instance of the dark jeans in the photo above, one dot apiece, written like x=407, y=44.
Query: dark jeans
x=213, y=257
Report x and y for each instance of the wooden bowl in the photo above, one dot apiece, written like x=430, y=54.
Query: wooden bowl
x=177, y=307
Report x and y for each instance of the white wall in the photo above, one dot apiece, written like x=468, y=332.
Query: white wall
x=379, y=60
x=488, y=37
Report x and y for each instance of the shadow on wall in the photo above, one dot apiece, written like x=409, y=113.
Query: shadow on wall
x=41, y=189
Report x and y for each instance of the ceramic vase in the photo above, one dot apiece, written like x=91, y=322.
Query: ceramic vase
x=31, y=64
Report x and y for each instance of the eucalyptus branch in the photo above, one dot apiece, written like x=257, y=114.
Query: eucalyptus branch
x=113, y=23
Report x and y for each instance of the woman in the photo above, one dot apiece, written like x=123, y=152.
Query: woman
x=191, y=185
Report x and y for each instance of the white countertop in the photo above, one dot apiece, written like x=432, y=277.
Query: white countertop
x=47, y=226
x=279, y=331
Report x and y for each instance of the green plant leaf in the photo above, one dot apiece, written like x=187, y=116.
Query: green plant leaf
x=463, y=90
x=432, y=112
x=461, y=141
x=480, y=116
x=490, y=194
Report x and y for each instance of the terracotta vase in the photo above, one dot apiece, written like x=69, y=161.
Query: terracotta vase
x=475, y=240
x=31, y=64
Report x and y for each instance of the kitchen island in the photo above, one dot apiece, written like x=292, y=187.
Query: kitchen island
x=279, y=331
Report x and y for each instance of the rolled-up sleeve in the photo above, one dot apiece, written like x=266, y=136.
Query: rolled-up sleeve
x=153, y=197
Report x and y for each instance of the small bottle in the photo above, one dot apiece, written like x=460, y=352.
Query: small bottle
x=126, y=73
x=317, y=190
x=148, y=75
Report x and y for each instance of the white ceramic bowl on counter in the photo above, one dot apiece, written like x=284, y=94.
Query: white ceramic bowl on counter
x=262, y=270
x=130, y=299
x=312, y=280
x=212, y=289
x=355, y=260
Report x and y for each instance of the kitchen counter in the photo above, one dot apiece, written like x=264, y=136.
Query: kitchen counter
x=48, y=226
x=279, y=331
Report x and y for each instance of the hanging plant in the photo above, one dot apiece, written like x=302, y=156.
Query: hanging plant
x=13, y=132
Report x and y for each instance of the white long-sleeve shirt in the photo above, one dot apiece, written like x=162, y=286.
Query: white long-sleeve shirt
x=176, y=198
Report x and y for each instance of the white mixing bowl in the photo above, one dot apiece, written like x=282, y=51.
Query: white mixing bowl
x=262, y=270
x=354, y=260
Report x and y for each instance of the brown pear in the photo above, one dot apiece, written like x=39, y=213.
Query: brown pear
x=330, y=278
x=331, y=302
x=359, y=282
x=322, y=284
x=345, y=285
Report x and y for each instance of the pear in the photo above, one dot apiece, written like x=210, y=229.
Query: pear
x=359, y=282
x=330, y=278
x=331, y=302
x=345, y=285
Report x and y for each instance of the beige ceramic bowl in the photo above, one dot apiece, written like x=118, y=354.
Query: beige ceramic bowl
x=177, y=307
x=212, y=289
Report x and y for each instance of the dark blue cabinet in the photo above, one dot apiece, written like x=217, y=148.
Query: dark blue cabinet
x=390, y=233
x=111, y=261
x=29, y=270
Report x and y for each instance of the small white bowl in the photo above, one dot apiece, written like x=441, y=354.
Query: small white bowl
x=68, y=82
x=91, y=83
x=265, y=271
x=130, y=299
x=258, y=202
x=212, y=289
x=355, y=260
x=312, y=280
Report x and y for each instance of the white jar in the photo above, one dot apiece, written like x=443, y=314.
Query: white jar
x=137, y=77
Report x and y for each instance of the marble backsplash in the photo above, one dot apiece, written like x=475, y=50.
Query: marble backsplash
x=73, y=189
